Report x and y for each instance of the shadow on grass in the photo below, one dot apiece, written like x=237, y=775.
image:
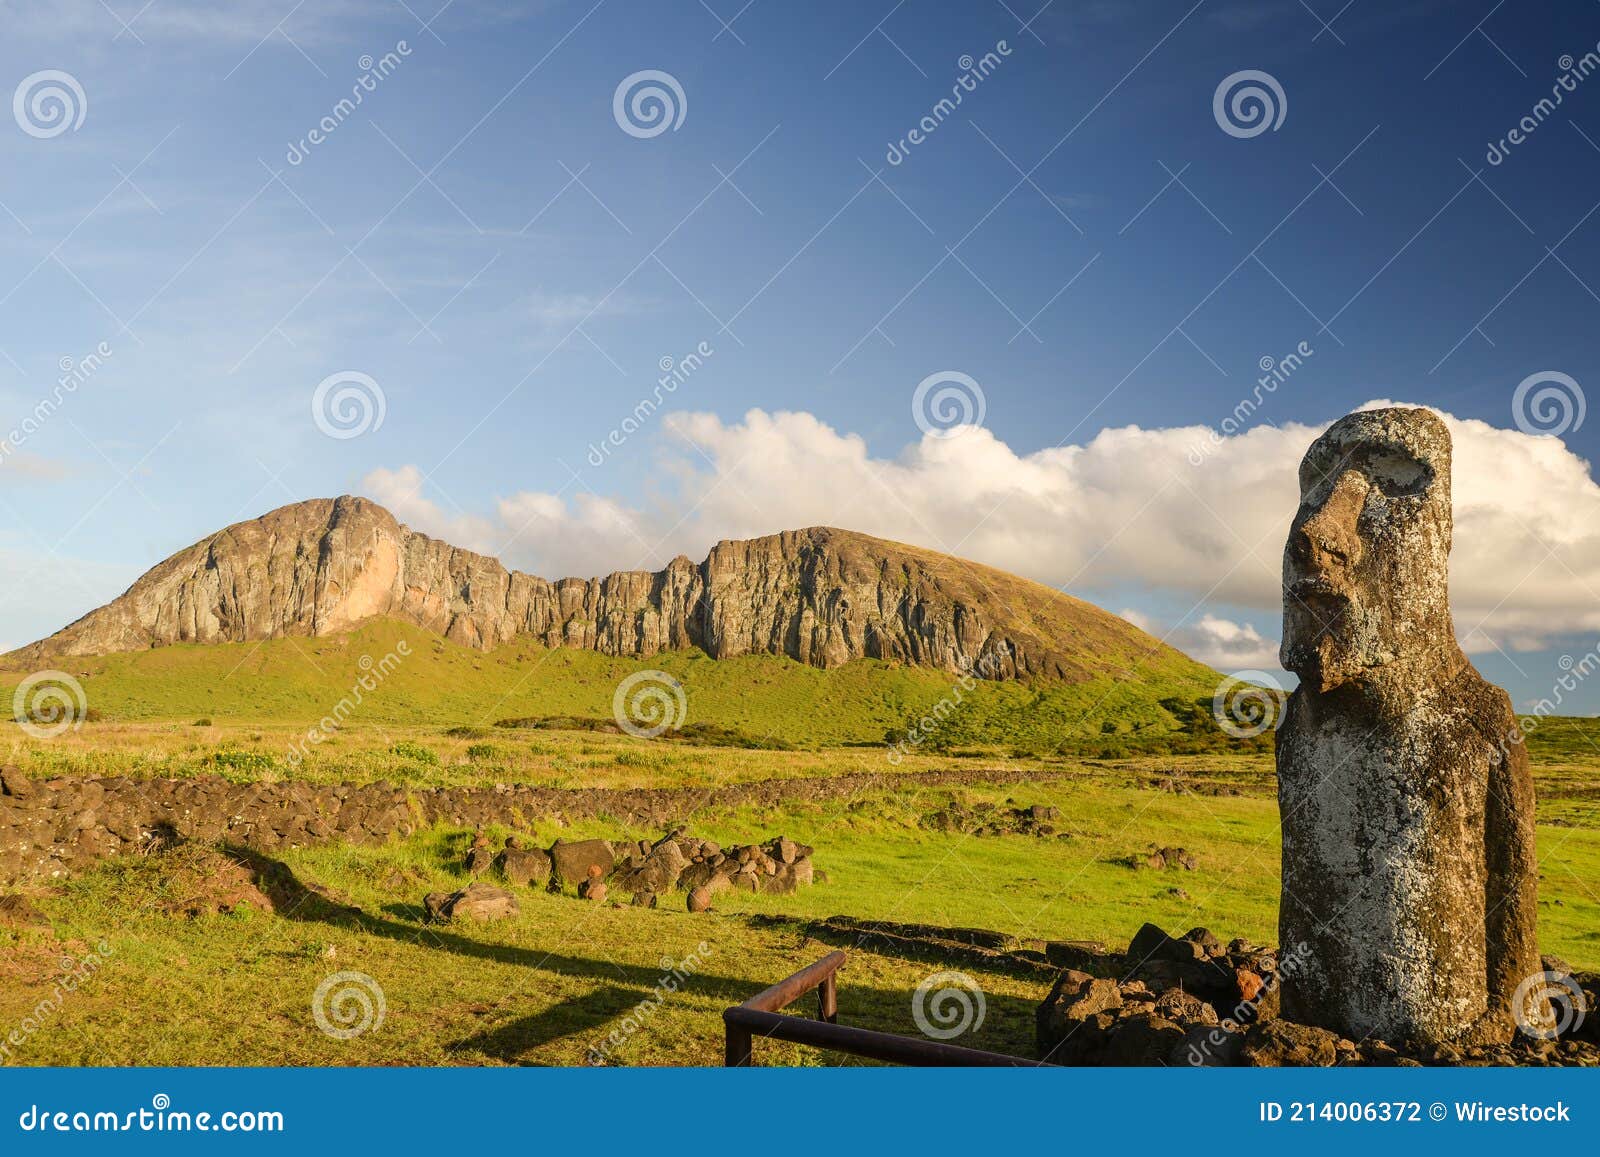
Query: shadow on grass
x=620, y=987
x=577, y=1017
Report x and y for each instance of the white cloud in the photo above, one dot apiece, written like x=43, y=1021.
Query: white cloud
x=1126, y=512
x=1222, y=643
x=400, y=491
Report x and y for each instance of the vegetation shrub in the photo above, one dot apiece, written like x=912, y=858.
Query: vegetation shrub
x=247, y=762
x=408, y=749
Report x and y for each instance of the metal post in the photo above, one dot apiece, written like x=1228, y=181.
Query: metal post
x=828, y=999
x=738, y=1049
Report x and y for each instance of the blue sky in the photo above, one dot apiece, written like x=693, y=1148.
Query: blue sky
x=1081, y=238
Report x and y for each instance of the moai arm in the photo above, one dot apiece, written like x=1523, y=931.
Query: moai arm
x=1511, y=908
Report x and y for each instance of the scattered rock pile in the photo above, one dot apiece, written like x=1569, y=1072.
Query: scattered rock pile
x=703, y=868
x=52, y=829
x=1160, y=857
x=1180, y=783
x=644, y=870
x=1190, y=1000
x=989, y=819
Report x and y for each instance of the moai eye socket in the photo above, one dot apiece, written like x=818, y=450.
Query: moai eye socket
x=1396, y=473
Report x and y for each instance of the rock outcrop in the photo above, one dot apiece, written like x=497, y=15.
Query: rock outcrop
x=1406, y=797
x=1189, y=1001
x=820, y=596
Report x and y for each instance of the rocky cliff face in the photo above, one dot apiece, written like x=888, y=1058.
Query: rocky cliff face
x=820, y=596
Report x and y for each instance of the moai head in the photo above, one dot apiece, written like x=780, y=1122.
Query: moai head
x=1366, y=568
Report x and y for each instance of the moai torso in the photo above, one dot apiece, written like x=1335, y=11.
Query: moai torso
x=1407, y=807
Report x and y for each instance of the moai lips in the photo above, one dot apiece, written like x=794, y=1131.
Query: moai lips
x=1406, y=798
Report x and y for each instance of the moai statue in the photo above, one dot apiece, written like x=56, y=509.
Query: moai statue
x=1406, y=800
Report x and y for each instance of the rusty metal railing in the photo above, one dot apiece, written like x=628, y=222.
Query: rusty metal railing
x=761, y=1016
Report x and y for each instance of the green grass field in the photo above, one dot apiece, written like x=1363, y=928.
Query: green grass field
x=556, y=982
x=550, y=985
x=762, y=698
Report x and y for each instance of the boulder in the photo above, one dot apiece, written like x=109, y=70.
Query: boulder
x=1146, y=943
x=477, y=901
x=570, y=861
x=658, y=871
x=1070, y=1023
x=479, y=858
x=524, y=867
x=1185, y=1008
x=1273, y=1043
x=1208, y=1048
x=1141, y=1039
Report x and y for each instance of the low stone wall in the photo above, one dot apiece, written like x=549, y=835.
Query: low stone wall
x=50, y=829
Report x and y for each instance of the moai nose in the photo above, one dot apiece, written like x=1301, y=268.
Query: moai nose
x=1329, y=540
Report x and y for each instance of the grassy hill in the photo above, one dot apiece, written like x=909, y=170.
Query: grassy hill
x=754, y=700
